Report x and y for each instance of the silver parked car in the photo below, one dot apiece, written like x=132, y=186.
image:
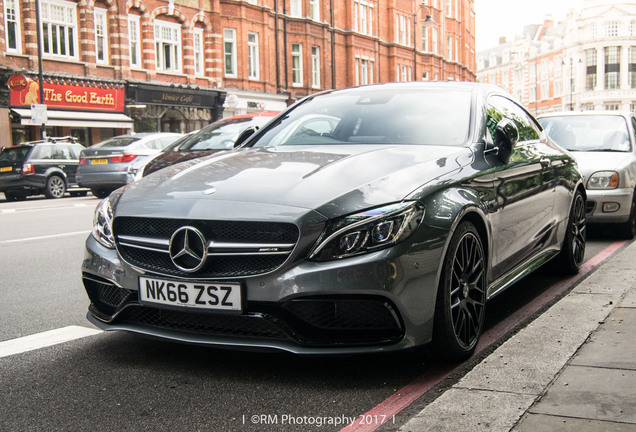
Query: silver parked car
x=358, y=220
x=603, y=145
x=104, y=166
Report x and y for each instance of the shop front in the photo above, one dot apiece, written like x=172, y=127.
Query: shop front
x=172, y=108
x=91, y=111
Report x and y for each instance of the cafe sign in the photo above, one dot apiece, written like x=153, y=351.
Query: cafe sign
x=67, y=96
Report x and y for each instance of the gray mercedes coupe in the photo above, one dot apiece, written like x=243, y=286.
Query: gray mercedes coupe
x=368, y=219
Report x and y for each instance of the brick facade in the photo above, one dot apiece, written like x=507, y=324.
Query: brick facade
x=344, y=43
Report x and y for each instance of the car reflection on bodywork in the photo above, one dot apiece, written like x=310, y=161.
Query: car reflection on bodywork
x=603, y=145
x=359, y=220
x=218, y=136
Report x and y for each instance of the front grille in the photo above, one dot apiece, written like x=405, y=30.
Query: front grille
x=344, y=320
x=143, y=242
x=202, y=323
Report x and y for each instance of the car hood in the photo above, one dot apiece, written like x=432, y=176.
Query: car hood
x=591, y=162
x=274, y=182
x=173, y=157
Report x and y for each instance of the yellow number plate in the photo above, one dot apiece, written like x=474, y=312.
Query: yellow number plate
x=99, y=161
x=6, y=169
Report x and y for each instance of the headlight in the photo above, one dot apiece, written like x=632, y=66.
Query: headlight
x=368, y=231
x=103, y=224
x=603, y=180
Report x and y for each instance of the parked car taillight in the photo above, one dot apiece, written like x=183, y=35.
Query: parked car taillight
x=126, y=157
x=27, y=168
x=83, y=161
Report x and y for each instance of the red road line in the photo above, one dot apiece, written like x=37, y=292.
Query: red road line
x=408, y=394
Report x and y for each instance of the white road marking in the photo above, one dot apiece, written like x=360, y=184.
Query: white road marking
x=45, y=339
x=44, y=237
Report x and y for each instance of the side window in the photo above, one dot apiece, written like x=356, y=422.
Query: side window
x=528, y=129
x=634, y=128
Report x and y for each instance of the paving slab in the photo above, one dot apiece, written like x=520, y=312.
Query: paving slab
x=607, y=280
x=610, y=346
x=528, y=362
x=540, y=422
x=470, y=410
x=630, y=299
x=591, y=393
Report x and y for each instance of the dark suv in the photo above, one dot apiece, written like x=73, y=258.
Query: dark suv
x=36, y=167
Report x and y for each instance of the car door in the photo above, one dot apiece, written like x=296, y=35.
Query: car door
x=523, y=221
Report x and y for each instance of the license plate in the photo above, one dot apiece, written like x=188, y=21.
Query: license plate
x=6, y=169
x=201, y=295
x=99, y=161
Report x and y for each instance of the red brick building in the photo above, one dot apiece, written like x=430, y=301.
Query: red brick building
x=109, y=66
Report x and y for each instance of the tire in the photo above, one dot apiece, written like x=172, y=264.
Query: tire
x=572, y=252
x=100, y=193
x=15, y=196
x=78, y=193
x=461, y=299
x=55, y=187
x=627, y=230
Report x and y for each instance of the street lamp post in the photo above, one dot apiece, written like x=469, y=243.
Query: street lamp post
x=429, y=19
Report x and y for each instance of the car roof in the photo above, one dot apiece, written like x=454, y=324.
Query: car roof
x=586, y=113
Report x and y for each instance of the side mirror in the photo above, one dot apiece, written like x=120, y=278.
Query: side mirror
x=245, y=135
x=506, y=137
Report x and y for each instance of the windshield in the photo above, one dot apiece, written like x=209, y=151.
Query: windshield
x=363, y=116
x=219, y=135
x=588, y=132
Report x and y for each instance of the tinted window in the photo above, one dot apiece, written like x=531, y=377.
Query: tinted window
x=220, y=135
x=430, y=117
x=588, y=132
x=500, y=107
x=14, y=154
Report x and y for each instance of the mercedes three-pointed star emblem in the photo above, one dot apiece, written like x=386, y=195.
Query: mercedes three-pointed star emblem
x=188, y=249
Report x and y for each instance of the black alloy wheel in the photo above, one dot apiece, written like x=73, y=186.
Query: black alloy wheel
x=55, y=187
x=15, y=196
x=100, y=193
x=461, y=299
x=573, y=249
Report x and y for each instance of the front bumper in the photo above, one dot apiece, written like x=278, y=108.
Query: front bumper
x=608, y=206
x=378, y=302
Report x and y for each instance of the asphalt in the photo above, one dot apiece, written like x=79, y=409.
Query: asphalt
x=572, y=369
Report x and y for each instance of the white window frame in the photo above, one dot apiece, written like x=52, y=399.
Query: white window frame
x=229, y=52
x=434, y=40
x=297, y=64
x=314, y=10
x=364, y=70
x=402, y=30
x=12, y=18
x=253, y=60
x=134, y=40
x=101, y=35
x=168, y=36
x=449, y=8
x=425, y=43
x=363, y=16
x=449, y=47
x=63, y=16
x=199, y=51
x=315, y=67
x=295, y=8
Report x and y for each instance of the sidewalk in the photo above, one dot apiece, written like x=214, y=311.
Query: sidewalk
x=572, y=369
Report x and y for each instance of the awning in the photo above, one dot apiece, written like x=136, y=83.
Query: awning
x=78, y=119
